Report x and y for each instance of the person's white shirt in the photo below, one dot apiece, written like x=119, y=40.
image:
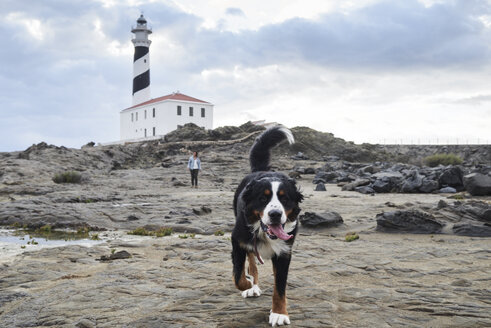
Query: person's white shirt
x=195, y=164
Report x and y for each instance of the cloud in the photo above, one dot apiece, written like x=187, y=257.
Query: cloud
x=67, y=69
x=234, y=12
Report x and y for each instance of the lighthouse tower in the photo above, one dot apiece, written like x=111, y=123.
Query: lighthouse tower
x=141, y=62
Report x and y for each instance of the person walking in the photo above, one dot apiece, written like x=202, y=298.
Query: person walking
x=194, y=166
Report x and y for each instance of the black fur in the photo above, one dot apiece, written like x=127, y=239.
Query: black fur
x=250, y=199
x=260, y=154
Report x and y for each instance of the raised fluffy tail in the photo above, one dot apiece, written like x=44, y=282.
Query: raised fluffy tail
x=260, y=154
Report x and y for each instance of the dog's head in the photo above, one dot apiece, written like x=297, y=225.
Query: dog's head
x=271, y=203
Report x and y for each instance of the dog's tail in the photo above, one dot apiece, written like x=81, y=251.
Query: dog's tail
x=260, y=154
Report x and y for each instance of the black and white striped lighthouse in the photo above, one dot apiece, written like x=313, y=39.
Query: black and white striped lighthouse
x=141, y=62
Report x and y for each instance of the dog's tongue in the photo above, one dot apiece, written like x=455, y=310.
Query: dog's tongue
x=278, y=231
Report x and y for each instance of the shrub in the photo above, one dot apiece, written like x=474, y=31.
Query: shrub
x=219, y=233
x=443, y=159
x=67, y=177
x=162, y=232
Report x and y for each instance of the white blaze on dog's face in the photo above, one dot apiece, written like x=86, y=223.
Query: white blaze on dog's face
x=274, y=205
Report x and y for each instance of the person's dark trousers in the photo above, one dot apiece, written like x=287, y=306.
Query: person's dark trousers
x=194, y=177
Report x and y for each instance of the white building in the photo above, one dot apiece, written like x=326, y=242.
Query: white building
x=149, y=118
x=161, y=115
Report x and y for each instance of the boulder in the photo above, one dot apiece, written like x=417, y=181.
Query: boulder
x=357, y=183
x=428, y=185
x=323, y=176
x=411, y=221
x=382, y=185
x=324, y=220
x=478, y=184
x=447, y=190
x=309, y=170
x=412, y=183
x=452, y=177
x=365, y=190
x=320, y=187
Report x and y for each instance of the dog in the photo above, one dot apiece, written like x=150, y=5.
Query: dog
x=266, y=207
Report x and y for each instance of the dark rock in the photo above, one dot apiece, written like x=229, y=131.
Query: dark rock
x=447, y=190
x=408, y=221
x=365, y=190
x=294, y=175
x=442, y=204
x=133, y=218
x=382, y=185
x=320, y=187
x=309, y=170
x=471, y=230
x=327, y=219
x=299, y=156
x=478, y=184
x=428, y=186
x=452, y=177
x=121, y=255
x=202, y=211
x=412, y=183
x=323, y=176
x=89, y=144
x=357, y=183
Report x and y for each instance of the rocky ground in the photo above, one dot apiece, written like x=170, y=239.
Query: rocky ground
x=435, y=278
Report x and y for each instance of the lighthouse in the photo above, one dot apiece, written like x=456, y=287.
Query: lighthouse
x=151, y=118
x=141, y=61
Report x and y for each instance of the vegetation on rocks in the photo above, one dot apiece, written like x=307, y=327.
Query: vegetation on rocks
x=442, y=159
x=161, y=232
x=67, y=177
x=351, y=236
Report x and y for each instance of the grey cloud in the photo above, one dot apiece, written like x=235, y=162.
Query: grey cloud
x=234, y=12
x=476, y=100
x=391, y=34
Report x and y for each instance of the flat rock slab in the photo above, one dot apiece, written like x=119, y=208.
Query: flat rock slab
x=380, y=280
x=408, y=221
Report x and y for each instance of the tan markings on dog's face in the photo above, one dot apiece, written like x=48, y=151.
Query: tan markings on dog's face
x=258, y=214
x=281, y=192
x=267, y=192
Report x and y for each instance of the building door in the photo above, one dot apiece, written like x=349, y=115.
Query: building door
x=145, y=133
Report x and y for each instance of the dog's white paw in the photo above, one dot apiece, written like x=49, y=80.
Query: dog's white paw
x=276, y=319
x=254, y=291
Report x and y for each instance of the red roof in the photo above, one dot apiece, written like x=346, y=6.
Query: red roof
x=172, y=96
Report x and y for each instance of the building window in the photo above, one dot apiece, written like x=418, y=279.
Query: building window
x=154, y=130
x=190, y=111
x=145, y=133
x=202, y=112
x=153, y=112
x=179, y=110
x=145, y=114
x=136, y=116
x=131, y=117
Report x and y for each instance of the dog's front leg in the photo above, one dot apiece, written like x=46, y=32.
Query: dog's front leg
x=238, y=260
x=279, y=315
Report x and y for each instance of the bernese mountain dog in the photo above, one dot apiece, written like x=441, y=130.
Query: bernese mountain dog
x=266, y=206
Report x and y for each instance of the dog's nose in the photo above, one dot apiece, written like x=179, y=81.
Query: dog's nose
x=275, y=216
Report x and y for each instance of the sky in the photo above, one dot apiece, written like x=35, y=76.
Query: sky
x=379, y=71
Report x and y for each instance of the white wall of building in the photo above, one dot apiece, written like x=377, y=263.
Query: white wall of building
x=165, y=120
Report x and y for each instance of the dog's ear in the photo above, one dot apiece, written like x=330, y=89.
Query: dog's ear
x=298, y=195
x=247, y=193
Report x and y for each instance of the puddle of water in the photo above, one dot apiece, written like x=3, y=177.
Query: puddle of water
x=53, y=238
